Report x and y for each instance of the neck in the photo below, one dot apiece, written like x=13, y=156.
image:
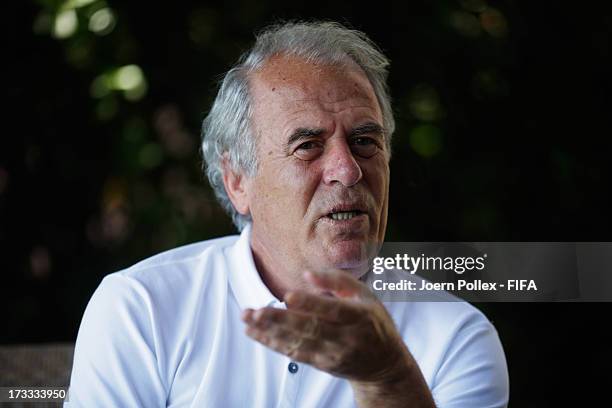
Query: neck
x=279, y=277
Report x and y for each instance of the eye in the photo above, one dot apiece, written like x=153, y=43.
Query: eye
x=309, y=150
x=365, y=147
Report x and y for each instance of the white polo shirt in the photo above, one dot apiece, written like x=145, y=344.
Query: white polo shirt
x=167, y=332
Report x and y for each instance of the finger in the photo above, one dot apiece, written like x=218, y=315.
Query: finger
x=327, y=308
x=289, y=343
x=277, y=321
x=327, y=356
x=341, y=284
x=247, y=315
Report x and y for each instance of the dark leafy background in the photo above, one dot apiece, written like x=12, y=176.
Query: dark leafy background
x=503, y=135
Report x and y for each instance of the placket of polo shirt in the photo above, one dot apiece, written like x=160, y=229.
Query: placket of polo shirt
x=290, y=384
x=291, y=377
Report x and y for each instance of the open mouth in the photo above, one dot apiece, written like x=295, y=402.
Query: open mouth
x=344, y=215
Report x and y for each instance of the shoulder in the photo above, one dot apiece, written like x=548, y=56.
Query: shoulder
x=432, y=327
x=138, y=320
x=155, y=291
x=458, y=350
x=177, y=266
x=166, y=277
x=185, y=259
x=439, y=316
x=438, y=312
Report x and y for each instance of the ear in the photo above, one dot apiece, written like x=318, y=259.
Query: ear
x=236, y=186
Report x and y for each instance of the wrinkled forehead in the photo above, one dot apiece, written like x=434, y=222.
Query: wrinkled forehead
x=291, y=79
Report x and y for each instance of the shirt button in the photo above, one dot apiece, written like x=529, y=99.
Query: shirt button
x=293, y=368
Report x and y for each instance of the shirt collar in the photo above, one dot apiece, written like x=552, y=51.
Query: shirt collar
x=247, y=286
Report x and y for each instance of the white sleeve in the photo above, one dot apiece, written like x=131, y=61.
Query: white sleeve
x=115, y=363
x=474, y=372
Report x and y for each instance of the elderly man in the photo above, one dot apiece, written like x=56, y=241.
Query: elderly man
x=297, y=148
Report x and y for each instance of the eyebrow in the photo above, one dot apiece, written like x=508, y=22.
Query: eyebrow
x=303, y=133
x=370, y=127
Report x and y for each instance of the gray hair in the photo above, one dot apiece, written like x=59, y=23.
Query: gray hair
x=226, y=131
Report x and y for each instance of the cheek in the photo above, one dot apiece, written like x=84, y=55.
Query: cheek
x=283, y=192
x=377, y=173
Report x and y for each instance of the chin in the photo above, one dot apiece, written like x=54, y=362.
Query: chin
x=349, y=256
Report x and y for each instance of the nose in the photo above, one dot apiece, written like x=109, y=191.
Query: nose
x=340, y=164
